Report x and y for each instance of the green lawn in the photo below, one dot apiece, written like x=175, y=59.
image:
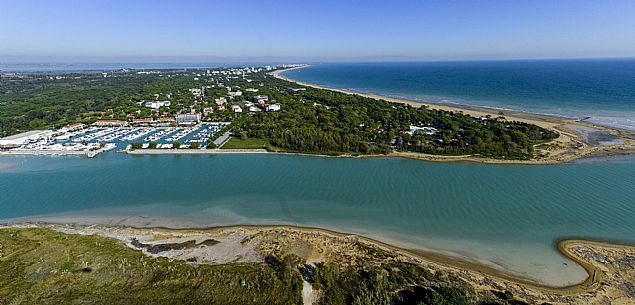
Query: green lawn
x=249, y=143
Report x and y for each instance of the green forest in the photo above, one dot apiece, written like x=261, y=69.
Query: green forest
x=329, y=122
x=310, y=120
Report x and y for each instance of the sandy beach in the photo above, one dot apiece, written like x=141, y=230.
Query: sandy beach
x=571, y=145
x=608, y=265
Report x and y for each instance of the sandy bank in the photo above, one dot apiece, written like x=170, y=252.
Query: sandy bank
x=610, y=266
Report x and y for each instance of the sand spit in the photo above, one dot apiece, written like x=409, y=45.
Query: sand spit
x=611, y=267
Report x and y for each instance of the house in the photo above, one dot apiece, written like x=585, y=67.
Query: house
x=142, y=122
x=73, y=127
x=273, y=107
x=422, y=130
x=158, y=104
x=164, y=121
x=110, y=123
x=254, y=109
x=261, y=99
x=235, y=93
x=207, y=111
x=188, y=119
x=220, y=101
x=196, y=91
x=251, y=90
x=153, y=122
x=236, y=108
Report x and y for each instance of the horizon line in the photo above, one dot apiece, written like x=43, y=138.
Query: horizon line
x=275, y=60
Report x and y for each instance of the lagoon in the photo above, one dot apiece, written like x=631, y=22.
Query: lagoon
x=506, y=216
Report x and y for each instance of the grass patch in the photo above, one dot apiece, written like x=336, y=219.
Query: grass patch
x=42, y=266
x=249, y=143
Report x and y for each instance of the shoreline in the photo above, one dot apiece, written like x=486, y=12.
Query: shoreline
x=569, y=146
x=570, y=247
x=216, y=151
x=461, y=259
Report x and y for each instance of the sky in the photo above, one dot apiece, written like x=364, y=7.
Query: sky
x=325, y=30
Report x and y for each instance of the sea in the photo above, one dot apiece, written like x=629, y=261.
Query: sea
x=602, y=91
x=505, y=216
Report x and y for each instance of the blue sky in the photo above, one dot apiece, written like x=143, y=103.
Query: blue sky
x=112, y=30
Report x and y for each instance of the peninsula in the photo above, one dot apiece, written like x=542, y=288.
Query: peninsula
x=256, y=108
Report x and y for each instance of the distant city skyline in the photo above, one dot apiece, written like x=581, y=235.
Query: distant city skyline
x=313, y=31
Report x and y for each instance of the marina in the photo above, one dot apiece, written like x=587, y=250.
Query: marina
x=93, y=140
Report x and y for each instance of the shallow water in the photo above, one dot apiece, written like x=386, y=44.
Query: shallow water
x=504, y=215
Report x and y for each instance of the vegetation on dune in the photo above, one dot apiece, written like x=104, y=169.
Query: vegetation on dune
x=43, y=266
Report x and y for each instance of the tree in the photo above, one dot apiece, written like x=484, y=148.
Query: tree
x=153, y=144
x=137, y=145
x=195, y=145
x=176, y=144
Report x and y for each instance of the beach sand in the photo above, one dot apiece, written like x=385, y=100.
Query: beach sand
x=610, y=266
x=571, y=145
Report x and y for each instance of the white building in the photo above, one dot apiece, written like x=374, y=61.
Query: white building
x=251, y=90
x=261, y=99
x=254, y=109
x=73, y=127
x=220, y=101
x=110, y=123
x=188, y=119
x=235, y=93
x=23, y=138
x=422, y=130
x=158, y=104
x=273, y=107
x=236, y=108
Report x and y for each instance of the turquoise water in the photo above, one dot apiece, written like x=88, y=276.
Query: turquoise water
x=601, y=89
x=507, y=216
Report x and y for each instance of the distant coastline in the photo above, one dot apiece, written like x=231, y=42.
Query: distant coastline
x=597, y=91
x=573, y=143
x=104, y=67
